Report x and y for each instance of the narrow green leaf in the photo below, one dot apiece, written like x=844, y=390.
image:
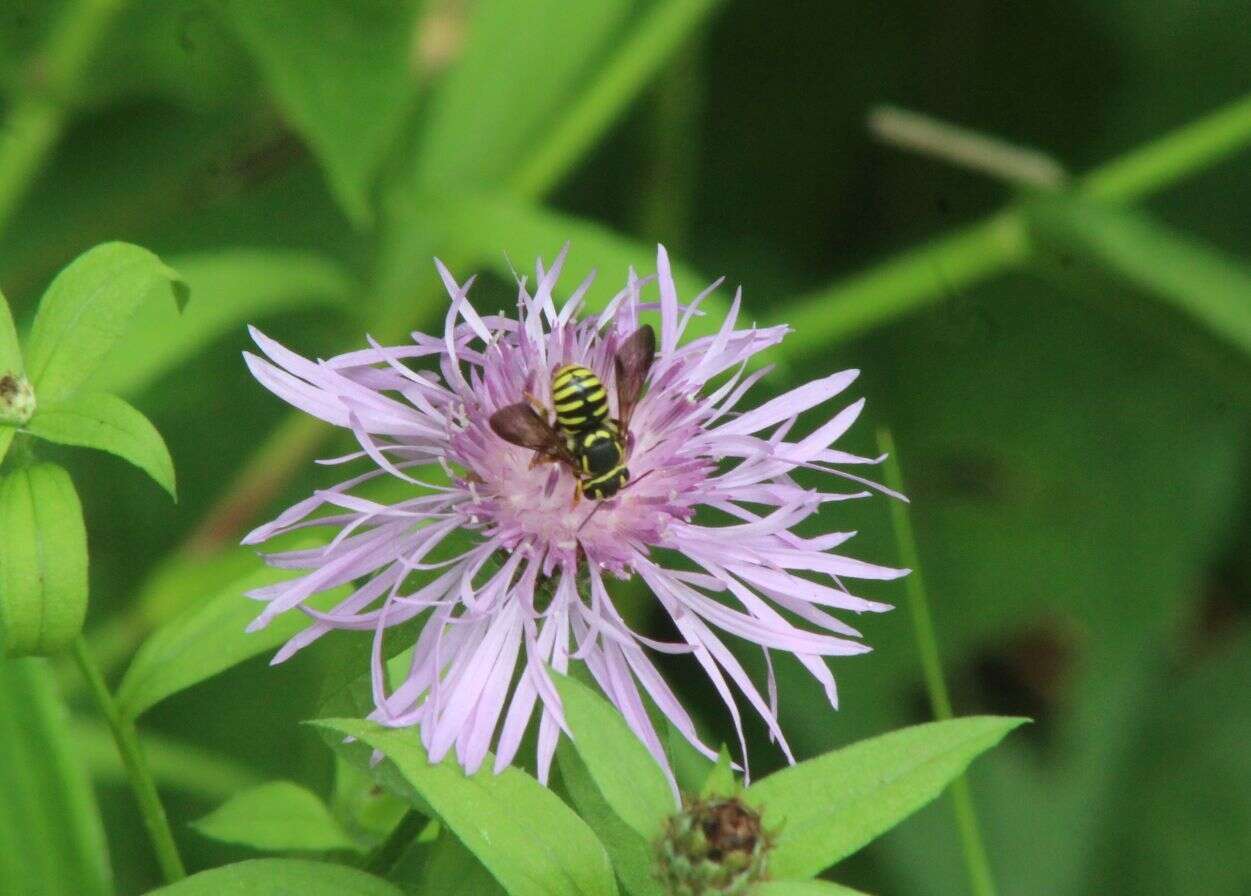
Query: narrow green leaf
x=280, y=877
x=556, y=855
x=690, y=766
x=479, y=122
x=43, y=561
x=720, y=781
x=49, y=821
x=85, y=311
x=231, y=287
x=624, y=772
x=7, y=434
x=632, y=856
x=497, y=229
x=206, y=639
x=340, y=73
x=830, y=806
x=10, y=351
x=451, y=870
x=106, y=422
x=1207, y=286
x=277, y=816
x=803, y=888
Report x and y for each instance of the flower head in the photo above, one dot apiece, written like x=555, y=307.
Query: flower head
x=705, y=520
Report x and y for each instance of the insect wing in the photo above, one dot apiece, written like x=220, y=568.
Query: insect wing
x=634, y=360
x=521, y=425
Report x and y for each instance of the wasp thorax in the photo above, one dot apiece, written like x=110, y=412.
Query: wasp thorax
x=17, y=400
x=713, y=846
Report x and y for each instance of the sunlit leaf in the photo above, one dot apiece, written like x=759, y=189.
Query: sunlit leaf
x=106, y=422
x=277, y=816
x=557, y=857
x=269, y=877
x=633, y=857
x=230, y=287
x=49, y=822
x=341, y=74
x=43, y=561
x=622, y=769
x=720, y=781
x=86, y=310
x=830, y=806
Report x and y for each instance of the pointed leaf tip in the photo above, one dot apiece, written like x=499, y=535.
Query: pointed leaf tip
x=107, y=423
x=830, y=806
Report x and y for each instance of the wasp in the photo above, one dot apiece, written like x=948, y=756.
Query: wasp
x=584, y=438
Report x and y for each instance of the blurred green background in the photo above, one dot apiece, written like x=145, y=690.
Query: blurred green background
x=1068, y=385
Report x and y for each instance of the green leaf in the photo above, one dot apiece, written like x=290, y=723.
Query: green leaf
x=555, y=855
x=624, y=772
x=207, y=638
x=632, y=856
x=1205, y=285
x=85, y=311
x=10, y=351
x=721, y=780
x=803, y=888
x=451, y=870
x=480, y=122
x=43, y=561
x=231, y=287
x=830, y=806
x=340, y=73
x=277, y=816
x=280, y=877
x=48, y=802
x=106, y=422
x=496, y=229
x=690, y=766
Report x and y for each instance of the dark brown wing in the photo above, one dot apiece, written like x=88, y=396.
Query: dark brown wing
x=521, y=425
x=634, y=360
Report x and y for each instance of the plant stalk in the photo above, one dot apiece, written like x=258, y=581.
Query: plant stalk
x=981, y=880
x=937, y=270
x=137, y=771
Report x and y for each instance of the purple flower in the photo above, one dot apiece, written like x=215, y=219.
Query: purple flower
x=531, y=585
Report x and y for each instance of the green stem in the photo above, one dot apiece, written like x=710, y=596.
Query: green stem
x=976, y=861
x=137, y=770
x=922, y=276
x=937, y=270
x=647, y=48
x=1178, y=154
x=39, y=115
x=391, y=850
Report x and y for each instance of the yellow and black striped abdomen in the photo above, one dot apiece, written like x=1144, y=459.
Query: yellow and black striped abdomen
x=580, y=400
